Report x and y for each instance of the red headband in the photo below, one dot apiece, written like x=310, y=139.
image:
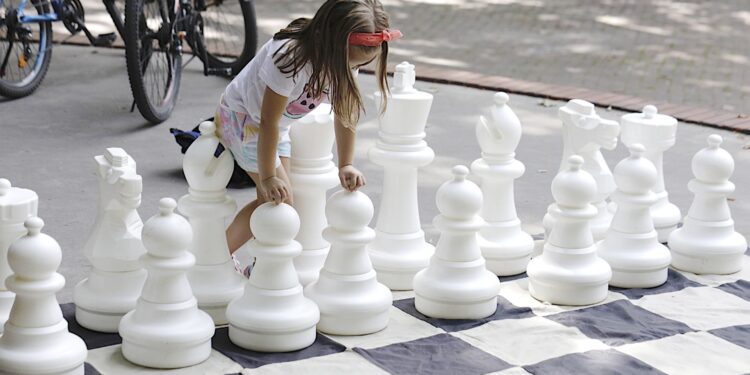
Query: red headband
x=374, y=39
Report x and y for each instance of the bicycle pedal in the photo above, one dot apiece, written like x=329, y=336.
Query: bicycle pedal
x=105, y=40
x=224, y=72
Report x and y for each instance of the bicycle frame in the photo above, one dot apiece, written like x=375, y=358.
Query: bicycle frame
x=46, y=17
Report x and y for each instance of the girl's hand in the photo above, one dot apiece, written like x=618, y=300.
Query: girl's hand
x=351, y=178
x=274, y=189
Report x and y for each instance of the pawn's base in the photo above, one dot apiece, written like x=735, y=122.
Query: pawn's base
x=638, y=279
x=50, y=350
x=708, y=248
x=166, y=356
x=214, y=286
x=98, y=321
x=397, y=258
x=272, y=342
x=454, y=309
x=353, y=324
x=574, y=277
x=567, y=294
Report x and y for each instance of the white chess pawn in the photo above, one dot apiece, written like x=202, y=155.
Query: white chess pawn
x=505, y=246
x=213, y=279
x=273, y=315
x=166, y=329
x=350, y=298
x=457, y=284
x=569, y=272
x=113, y=247
x=657, y=133
x=36, y=338
x=16, y=205
x=632, y=246
x=399, y=250
x=707, y=242
x=312, y=174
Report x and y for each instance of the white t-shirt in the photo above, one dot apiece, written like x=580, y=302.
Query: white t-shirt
x=245, y=93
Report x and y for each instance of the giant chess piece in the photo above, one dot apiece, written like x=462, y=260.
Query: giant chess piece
x=399, y=250
x=113, y=247
x=569, y=272
x=16, y=205
x=36, y=338
x=166, y=329
x=312, y=174
x=505, y=246
x=657, y=133
x=457, y=284
x=585, y=134
x=350, y=298
x=707, y=242
x=273, y=315
x=632, y=246
x=213, y=278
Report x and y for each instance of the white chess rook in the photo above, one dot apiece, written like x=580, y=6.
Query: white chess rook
x=312, y=174
x=457, y=284
x=16, y=205
x=213, y=279
x=166, y=329
x=113, y=247
x=273, y=315
x=569, y=272
x=707, y=242
x=350, y=298
x=632, y=246
x=657, y=133
x=505, y=246
x=36, y=338
x=399, y=250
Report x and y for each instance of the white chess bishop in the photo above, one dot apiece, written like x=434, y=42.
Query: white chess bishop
x=707, y=242
x=166, y=329
x=457, y=284
x=658, y=133
x=312, y=174
x=505, y=246
x=631, y=246
x=16, y=205
x=113, y=247
x=213, y=279
x=273, y=315
x=569, y=272
x=350, y=298
x=36, y=338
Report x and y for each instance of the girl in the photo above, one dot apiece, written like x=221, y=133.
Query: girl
x=308, y=62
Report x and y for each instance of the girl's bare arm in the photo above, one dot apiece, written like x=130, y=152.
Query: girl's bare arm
x=351, y=178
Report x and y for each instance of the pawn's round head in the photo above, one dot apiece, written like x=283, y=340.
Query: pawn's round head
x=35, y=256
x=166, y=233
x=459, y=198
x=574, y=187
x=274, y=224
x=713, y=164
x=349, y=211
x=635, y=174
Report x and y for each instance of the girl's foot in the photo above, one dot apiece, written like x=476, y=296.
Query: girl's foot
x=244, y=271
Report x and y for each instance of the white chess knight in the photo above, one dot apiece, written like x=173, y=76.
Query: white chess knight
x=312, y=174
x=505, y=246
x=166, y=329
x=113, y=247
x=585, y=134
x=457, y=284
x=213, y=279
x=36, y=338
x=350, y=298
x=569, y=272
x=657, y=133
x=707, y=241
x=273, y=315
x=631, y=246
x=16, y=205
x=399, y=250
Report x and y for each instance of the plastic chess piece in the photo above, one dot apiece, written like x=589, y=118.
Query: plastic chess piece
x=36, y=338
x=312, y=174
x=457, y=284
x=113, y=247
x=569, y=272
x=707, y=241
x=166, y=329
x=350, y=298
x=273, y=315
x=16, y=205
x=207, y=206
x=399, y=250
x=632, y=246
x=505, y=246
x=657, y=133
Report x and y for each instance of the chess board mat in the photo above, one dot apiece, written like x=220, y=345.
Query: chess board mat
x=693, y=324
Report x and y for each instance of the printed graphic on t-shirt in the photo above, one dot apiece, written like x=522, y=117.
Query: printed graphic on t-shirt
x=305, y=103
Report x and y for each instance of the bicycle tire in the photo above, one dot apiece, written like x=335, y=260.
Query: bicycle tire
x=224, y=57
x=155, y=103
x=28, y=84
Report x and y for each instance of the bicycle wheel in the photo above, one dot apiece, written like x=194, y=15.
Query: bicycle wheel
x=25, y=49
x=153, y=57
x=228, y=41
